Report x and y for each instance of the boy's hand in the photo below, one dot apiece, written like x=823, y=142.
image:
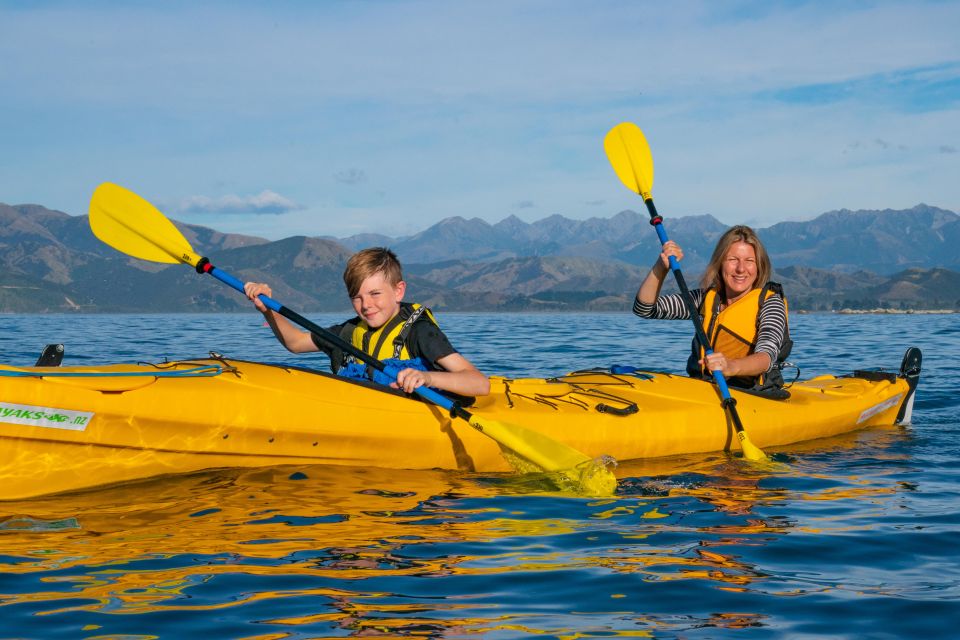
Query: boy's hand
x=411, y=379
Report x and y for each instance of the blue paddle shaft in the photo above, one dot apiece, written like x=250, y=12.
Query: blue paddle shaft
x=655, y=219
x=334, y=340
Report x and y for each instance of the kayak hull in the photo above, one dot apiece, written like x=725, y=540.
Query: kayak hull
x=67, y=428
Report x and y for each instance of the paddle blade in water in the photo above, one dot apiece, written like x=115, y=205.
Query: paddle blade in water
x=594, y=477
x=130, y=224
x=537, y=452
x=630, y=155
x=750, y=450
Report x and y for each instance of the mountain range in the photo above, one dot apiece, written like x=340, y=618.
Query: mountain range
x=884, y=241
x=905, y=259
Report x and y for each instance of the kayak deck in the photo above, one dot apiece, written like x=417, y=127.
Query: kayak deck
x=64, y=428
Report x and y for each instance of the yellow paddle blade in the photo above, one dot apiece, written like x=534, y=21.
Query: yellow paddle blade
x=629, y=153
x=750, y=450
x=586, y=475
x=130, y=224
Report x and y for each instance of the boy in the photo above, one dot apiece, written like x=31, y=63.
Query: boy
x=405, y=335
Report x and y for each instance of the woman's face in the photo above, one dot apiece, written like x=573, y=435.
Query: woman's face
x=739, y=270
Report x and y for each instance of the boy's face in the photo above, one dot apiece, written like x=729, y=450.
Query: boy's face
x=377, y=300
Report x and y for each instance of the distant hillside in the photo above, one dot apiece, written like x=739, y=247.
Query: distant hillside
x=51, y=262
x=820, y=290
x=536, y=283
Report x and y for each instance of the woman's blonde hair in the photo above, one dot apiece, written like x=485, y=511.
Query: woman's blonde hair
x=739, y=233
x=367, y=262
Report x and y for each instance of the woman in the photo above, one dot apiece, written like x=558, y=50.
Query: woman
x=744, y=315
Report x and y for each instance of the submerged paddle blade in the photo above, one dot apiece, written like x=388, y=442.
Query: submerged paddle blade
x=750, y=450
x=585, y=475
x=131, y=225
x=630, y=155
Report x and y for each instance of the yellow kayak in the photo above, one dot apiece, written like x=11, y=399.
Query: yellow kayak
x=66, y=428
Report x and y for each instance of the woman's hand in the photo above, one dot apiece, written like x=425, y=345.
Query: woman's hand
x=670, y=248
x=650, y=287
x=717, y=362
x=751, y=365
x=253, y=291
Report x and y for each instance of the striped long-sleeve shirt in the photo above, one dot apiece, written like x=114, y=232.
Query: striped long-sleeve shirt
x=771, y=329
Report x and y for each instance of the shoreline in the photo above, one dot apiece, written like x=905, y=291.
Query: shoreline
x=897, y=311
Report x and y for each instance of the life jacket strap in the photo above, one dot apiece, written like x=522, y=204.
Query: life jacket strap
x=401, y=339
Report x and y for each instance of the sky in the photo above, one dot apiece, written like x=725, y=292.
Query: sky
x=336, y=118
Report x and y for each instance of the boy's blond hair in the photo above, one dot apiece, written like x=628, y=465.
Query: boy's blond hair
x=367, y=262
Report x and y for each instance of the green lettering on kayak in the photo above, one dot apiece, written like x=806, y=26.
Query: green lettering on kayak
x=44, y=416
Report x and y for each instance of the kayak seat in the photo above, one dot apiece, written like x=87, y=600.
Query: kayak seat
x=874, y=375
x=771, y=393
x=51, y=356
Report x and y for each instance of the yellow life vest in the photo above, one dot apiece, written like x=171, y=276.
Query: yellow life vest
x=733, y=330
x=389, y=340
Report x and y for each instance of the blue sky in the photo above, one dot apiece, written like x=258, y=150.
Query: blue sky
x=334, y=118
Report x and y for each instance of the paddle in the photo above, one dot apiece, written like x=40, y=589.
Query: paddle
x=630, y=156
x=130, y=224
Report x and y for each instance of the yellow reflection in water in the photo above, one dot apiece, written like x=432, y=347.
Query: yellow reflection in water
x=154, y=546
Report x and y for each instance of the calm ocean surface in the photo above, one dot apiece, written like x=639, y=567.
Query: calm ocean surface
x=856, y=537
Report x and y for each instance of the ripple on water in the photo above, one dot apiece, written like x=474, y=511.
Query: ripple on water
x=854, y=536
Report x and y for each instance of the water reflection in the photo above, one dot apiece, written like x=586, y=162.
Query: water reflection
x=410, y=553
x=860, y=528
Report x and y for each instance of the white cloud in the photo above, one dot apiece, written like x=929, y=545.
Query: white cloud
x=754, y=110
x=266, y=202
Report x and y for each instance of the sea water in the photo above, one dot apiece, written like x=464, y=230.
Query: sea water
x=854, y=537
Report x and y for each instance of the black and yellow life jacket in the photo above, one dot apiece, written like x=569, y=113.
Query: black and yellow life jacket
x=387, y=343
x=733, y=332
